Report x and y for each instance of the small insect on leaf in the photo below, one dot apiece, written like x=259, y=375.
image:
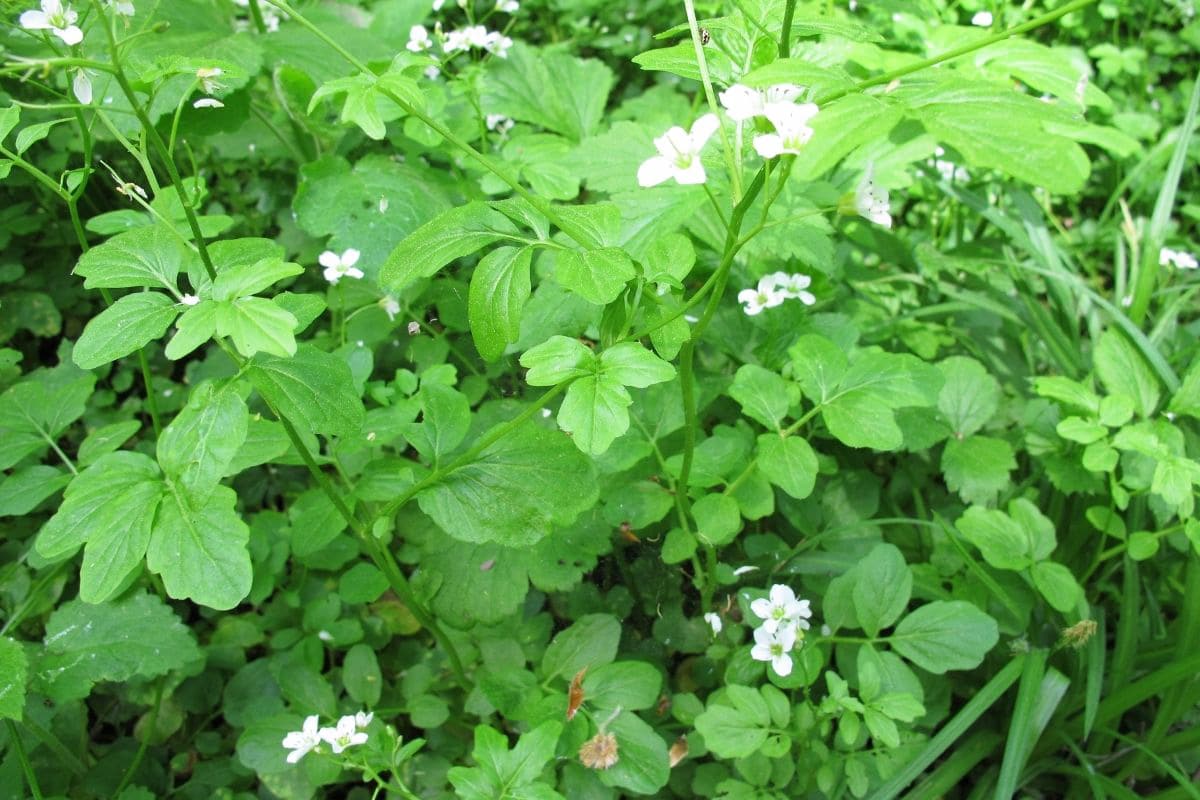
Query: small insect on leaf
x=487, y=565
x=705, y=36
x=575, y=695
x=628, y=535
x=678, y=751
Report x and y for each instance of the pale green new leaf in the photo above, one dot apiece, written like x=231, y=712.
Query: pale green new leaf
x=257, y=325
x=245, y=279
x=127, y=325
x=738, y=726
x=1057, y=584
x=557, y=359
x=195, y=327
x=595, y=412
x=633, y=365
x=597, y=275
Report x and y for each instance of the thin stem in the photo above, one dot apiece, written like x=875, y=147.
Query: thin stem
x=735, y=178
x=145, y=743
x=785, y=32
x=14, y=736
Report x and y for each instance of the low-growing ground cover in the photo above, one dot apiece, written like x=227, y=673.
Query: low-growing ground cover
x=588, y=399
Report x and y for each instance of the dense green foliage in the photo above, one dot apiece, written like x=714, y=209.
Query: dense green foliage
x=738, y=399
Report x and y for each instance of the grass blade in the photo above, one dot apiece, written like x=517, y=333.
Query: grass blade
x=1021, y=735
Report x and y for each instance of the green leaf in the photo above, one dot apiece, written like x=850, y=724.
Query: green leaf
x=1001, y=539
x=14, y=666
x=195, y=327
x=1142, y=545
x=127, y=325
x=978, y=467
x=480, y=583
x=595, y=412
x=738, y=725
x=256, y=324
x=842, y=126
x=1187, y=399
x=452, y=234
x=789, y=463
x=137, y=636
x=446, y=416
x=945, y=635
x=512, y=493
x=505, y=775
x=591, y=641
x=106, y=439
x=643, y=766
x=993, y=127
x=763, y=395
x=107, y=498
x=499, y=288
x=548, y=88
x=969, y=397
x=1056, y=583
x=633, y=365
x=1123, y=371
x=361, y=675
x=630, y=685
x=680, y=59
x=366, y=101
x=245, y=279
x=200, y=552
x=882, y=589
x=598, y=276
x=198, y=446
x=314, y=390
x=25, y=489
x=9, y=117
x=557, y=359
x=151, y=256
x=718, y=518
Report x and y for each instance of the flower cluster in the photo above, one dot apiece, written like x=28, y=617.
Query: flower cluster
x=777, y=104
x=773, y=289
x=1177, y=258
x=784, y=621
x=346, y=733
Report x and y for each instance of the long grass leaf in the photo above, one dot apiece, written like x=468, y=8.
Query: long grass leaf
x=1021, y=728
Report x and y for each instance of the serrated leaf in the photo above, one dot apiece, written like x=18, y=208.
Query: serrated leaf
x=452, y=234
x=548, y=88
x=314, y=390
x=597, y=275
x=512, y=493
x=969, y=397
x=152, y=256
x=127, y=325
x=978, y=467
x=499, y=288
x=945, y=635
x=137, y=636
x=199, y=549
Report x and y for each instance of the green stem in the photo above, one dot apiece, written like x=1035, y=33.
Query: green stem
x=159, y=145
x=145, y=743
x=256, y=15
x=735, y=177
x=785, y=32
x=14, y=736
x=51, y=742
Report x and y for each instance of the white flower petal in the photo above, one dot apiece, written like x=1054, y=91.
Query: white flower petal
x=702, y=130
x=34, y=20
x=692, y=174
x=768, y=145
x=350, y=257
x=72, y=34
x=329, y=259
x=654, y=171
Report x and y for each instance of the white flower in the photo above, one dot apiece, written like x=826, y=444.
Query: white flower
x=780, y=609
x=792, y=287
x=507, y=6
x=679, y=154
x=390, y=306
x=344, y=735
x=871, y=200
x=1178, y=258
x=208, y=79
x=81, y=86
x=432, y=72
x=983, y=19
x=55, y=17
x=303, y=740
x=189, y=299
x=791, y=129
x=418, y=39
x=767, y=295
x=363, y=718
x=437, y=4
x=743, y=103
x=123, y=7
x=774, y=647
x=414, y=328
x=208, y=102
x=338, y=267
x=499, y=123
x=498, y=44
x=714, y=622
